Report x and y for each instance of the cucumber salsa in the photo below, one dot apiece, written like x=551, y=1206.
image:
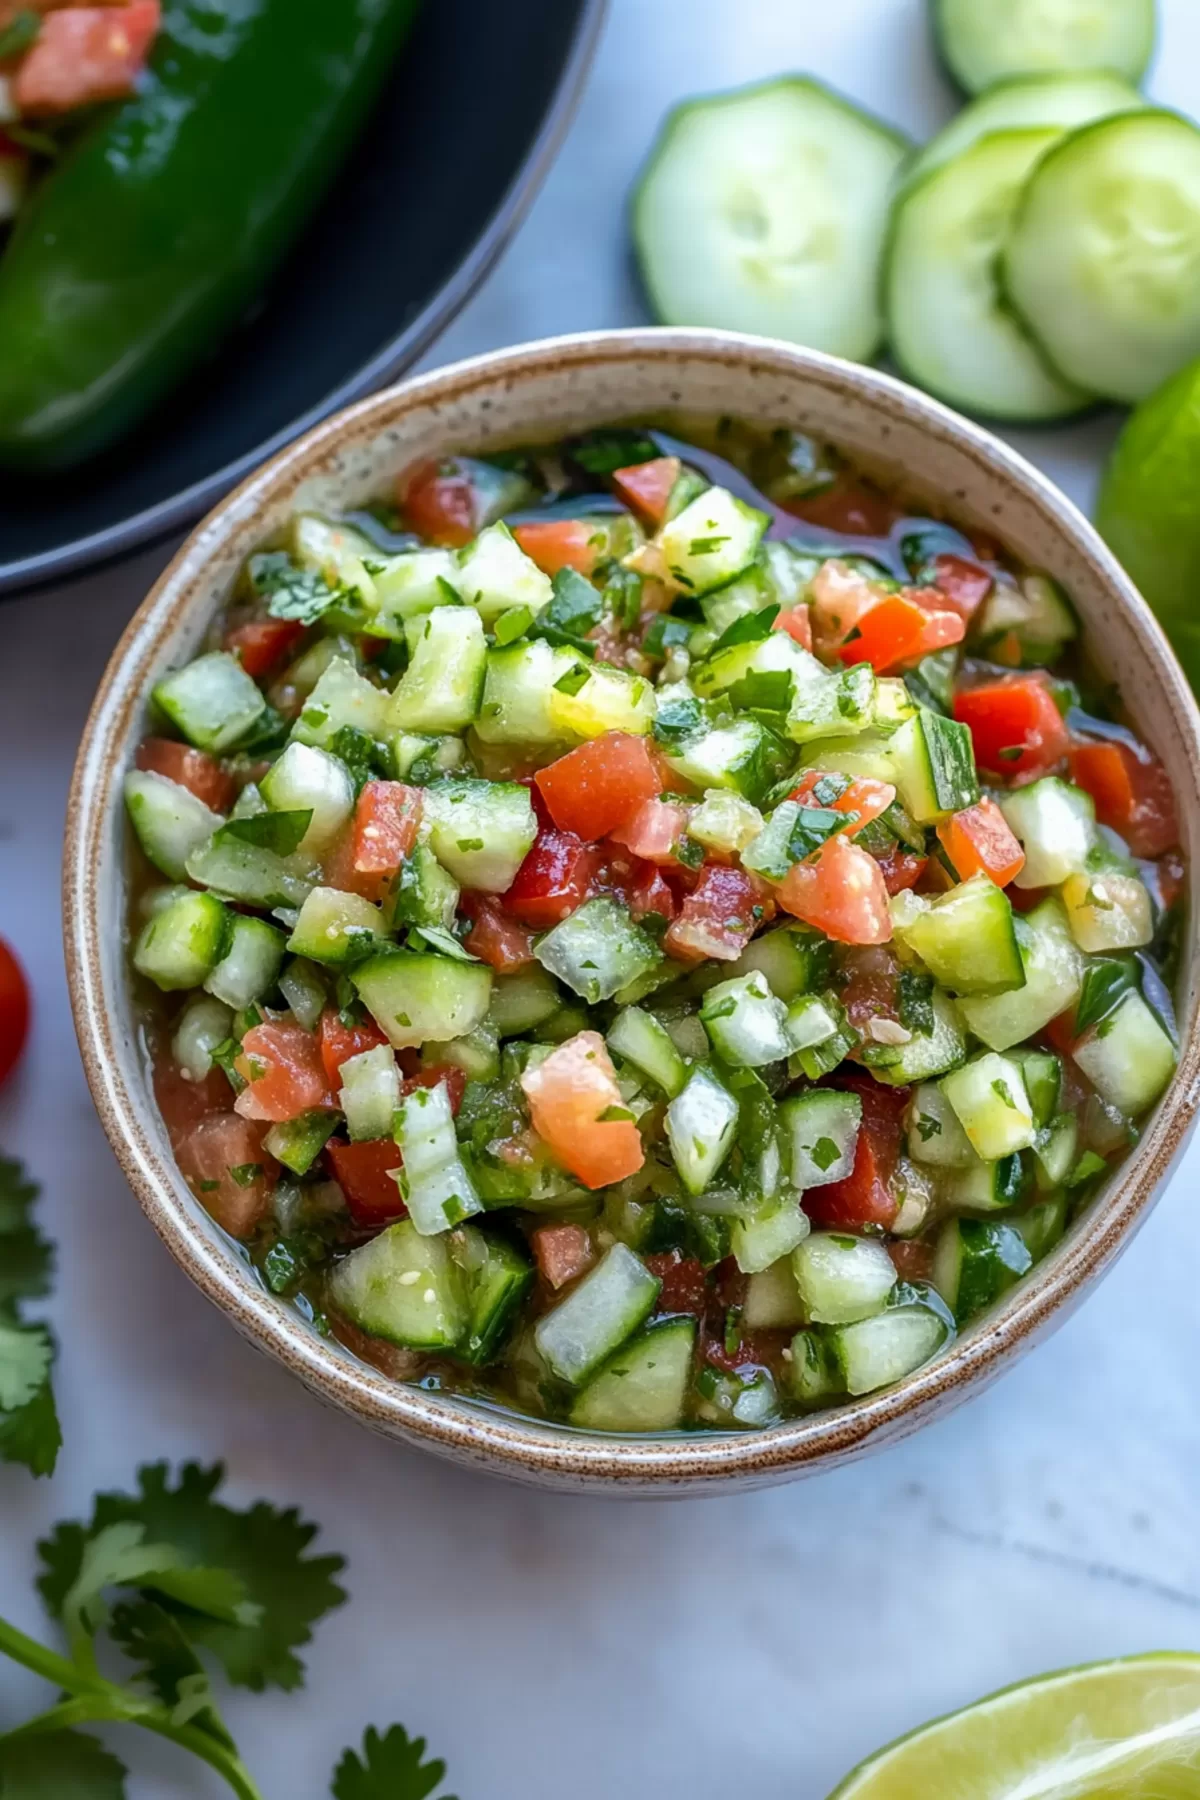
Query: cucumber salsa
x=653, y=933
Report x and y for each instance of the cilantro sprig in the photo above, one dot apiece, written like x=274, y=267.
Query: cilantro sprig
x=29, y=1428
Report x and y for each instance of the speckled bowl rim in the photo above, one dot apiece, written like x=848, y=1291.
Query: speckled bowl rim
x=524, y=1449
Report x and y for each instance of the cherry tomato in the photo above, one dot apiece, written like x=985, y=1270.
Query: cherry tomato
x=14, y=1011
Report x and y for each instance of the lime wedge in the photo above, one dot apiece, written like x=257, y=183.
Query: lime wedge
x=1124, y=1730
x=1149, y=514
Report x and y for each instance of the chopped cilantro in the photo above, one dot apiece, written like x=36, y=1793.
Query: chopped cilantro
x=929, y=1127
x=1000, y=1089
x=751, y=628
x=245, y=1174
x=279, y=832
x=291, y=592
x=29, y=1429
x=20, y=34
x=824, y=1153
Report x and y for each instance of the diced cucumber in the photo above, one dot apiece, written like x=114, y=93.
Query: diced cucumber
x=760, y=1238
x=701, y=1122
x=713, y=539
x=1044, y=1225
x=926, y=1053
x=370, y=1092
x=876, y=1352
x=822, y=1033
x=169, y=820
x=496, y=1277
x=410, y=585
x=1037, y=612
x=1056, y=1151
x=336, y=928
x=417, y=999
x=988, y=1094
x=935, y=1136
x=495, y=574
x=744, y=756
x=975, y=1262
x=335, y=551
x=434, y=1182
x=982, y=43
x=309, y=780
x=422, y=892
x=522, y=1000
x=250, y=874
x=772, y=1300
x=597, y=1316
x=687, y=1034
x=1108, y=911
x=820, y=1132
x=442, y=687
x=934, y=764
x=183, y=943
x=303, y=988
x=814, y=1375
x=251, y=963
x=764, y=209
x=203, y=1024
x=644, y=1386
x=1128, y=1057
x=343, y=697
x=841, y=1279
x=481, y=831
x=831, y=706
x=1053, y=976
x=606, y=699
x=746, y=1400
x=794, y=959
x=1056, y=824
x=641, y=1040
x=987, y=1186
x=724, y=821
x=517, y=689
x=597, y=949
x=777, y=654
x=966, y=939
x=212, y=702
x=477, y=1054
x=746, y=1024
x=869, y=754
x=403, y=1287
x=297, y=1143
x=1043, y=1072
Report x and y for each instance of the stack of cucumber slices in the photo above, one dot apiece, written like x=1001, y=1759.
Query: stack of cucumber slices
x=1043, y=252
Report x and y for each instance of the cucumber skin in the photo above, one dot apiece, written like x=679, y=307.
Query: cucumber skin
x=940, y=34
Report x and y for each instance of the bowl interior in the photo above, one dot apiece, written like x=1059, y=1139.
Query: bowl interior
x=541, y=392
x=415, y=219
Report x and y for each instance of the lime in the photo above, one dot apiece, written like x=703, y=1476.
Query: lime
x=1123, y=1730
x=1149, y=509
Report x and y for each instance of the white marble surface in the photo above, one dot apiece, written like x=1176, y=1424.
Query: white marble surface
x=546, y=1645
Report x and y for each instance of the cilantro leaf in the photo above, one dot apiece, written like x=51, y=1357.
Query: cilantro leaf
x=263, y=1546
x=290, y=591
x=20, y=34
x=29, y=1428
x=26, y=1257
x=32, y=1435
x=280, y=832
x=750, y=628
x=26, y=1354
x=605, y=450
x=572, y=610
x=59, y=1765
x=119, y=1556
x=391, y=1767
x=153, y=1639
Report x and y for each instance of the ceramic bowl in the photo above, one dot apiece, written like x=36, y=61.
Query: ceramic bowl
x=545, y=390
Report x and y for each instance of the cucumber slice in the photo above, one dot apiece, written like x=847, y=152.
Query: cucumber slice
x=1053, y=977
x=412, y=584
x=879, y=1351
x=442, y=687
x=700, y=1123
x=605, y=700
x=935, y=1136
x=1056, y=1152
x=820, y=1131
x=597, y=950
x=764, y=210
x=417, y=999
x=497, y=1277
x=988, y=1094
x=1043, y=1072
x=725, y=821
x=1108, y=911
x=747, y=1400
x=1128, y=1057
x=370, y=1093
x=169, y=820
x=1026, y=102
x=335, y=551
x=950, y=328
x=746, y=1024
x=597, y=1316
x=522, y=1001
x=1038, y=614
x=829, y=706
x=212, y=701
x=477, y=1054
x=336, y=928
x=794, y=959
x=250, y=874
x=772, y=1300
x=1101, y=260
x=203, y=1024
x=927, y=1053
x=641, y=1040
x=975, y=1262
x=712, y=540
x=403, y=1287
x=759, y=1239
x=744, y=756
x=343, y=697
x=987, y=1186
x=516, y=693
x=297, y=1143
x=183, y=942
x=434, y=1182
x=842, y=1279
x=814, y=1375
x=644, y=1387
x=309, y=780
x=480, y=831
x=303, y=987
x=495, y=574
x=966, y=939
x=933, y=761
x=1043, y=1225
x=250, y=965
x=982, y=41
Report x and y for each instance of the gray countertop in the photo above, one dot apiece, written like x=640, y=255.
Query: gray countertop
x=758, y=1644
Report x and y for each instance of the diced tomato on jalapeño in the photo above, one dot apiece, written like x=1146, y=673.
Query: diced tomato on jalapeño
x=84, y=55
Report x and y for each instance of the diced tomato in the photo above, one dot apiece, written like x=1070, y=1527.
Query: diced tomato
x=449, y=1074
x=654, y=831
x=847, y=507
x=841, y=596
x=84, y=55
x=284, y=1071
x=870, y=990
x=555, y=544
x=980, y=841
x=595, y=788
x=223, y=1162
x=496, y=939
x=1172, y=874
x=964, y=584
x=262, y=643
x=864, y=796
x=750, y=1350
x=718, y=918
x=195, y=770
x=684, y=1284
x=1015, y=726
x=899, y=631
x=901, y=869
x=912, y=1260
x=438, y=501
x=649, y=894
x=646, y=488
x=1060, y=1033
x=864, y=1197
x=568, y=1095
x=385, y=826
x=182, y=1102
x=562, y=1253
x=1132, y=794
x=797, y=622
x=339, y=1042
x=842, y=893
x=366, y=1175
x=14, y=1011
x=553, y=880
x=340, y=871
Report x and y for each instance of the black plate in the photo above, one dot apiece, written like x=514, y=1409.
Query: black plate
x=457, y=149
